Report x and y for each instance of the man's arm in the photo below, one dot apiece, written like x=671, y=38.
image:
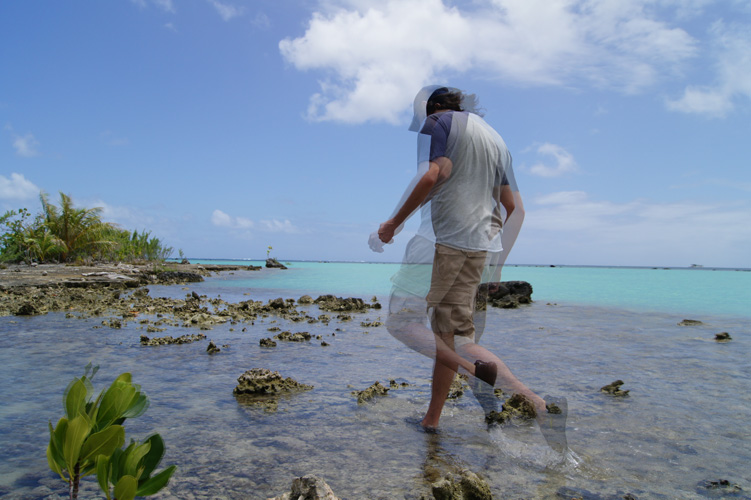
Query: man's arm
x=439, y=168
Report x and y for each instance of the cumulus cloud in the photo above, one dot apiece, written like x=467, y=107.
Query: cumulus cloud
x=26, y=145
x=563, y=162
x=638, y=232
x=280, y=226
x=222, y=219
x=165, y=5
x=226, y=11
x=369, y=76
x=732, y=69
x=17, y=187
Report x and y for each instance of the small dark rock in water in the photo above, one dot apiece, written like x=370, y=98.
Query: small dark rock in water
x=690, y=322
x=521, y=406
x=723, y=337
x=305, y=299
x=377, y=389
x=331, y=303
x=467, y=485
x=275, y=264
x=721, y=488
x=506, y=294
x=553, y=409
x=614, y=388
x=395, y=385
x=308, y=488
x=325, y=344
x=264, y=382
x=497, y=417
x=293, y=337
x=113, y=323
x=212, y=348
x=457, y=387
x=517, y=406
x=267, y=343
x=183, y=339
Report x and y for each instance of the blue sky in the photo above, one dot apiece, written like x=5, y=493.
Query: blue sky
x=225, y=126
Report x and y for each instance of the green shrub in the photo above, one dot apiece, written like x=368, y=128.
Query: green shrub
x=90, y=437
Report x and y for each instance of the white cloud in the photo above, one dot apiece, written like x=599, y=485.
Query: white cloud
x=226, y=11
x=638, y=232
x=261, y=20
x=219, y=218
x=563, y=162
x=277, y=226
x=222, y=219
x=731, y=54
x=17, y=187
x=165, y=5
x=26, y=145
x=374, y=55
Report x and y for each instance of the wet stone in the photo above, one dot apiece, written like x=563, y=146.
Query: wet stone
x=614, y=388
x=331, y=303
x=308, y=488
x=458, y=385
x=377, y=389
x=212, y=348
x=690, y=322
x=305, y=300
x=517, y=406
x=721, y=488
x=183, y=339
x=267, y=343
x=293, y=337
x=264, y=382
x=465, y=485
x=723, y=337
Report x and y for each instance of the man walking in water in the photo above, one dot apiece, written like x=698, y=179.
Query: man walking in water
x=471, y=210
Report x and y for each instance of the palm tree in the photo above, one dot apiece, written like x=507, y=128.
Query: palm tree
x=78, y=230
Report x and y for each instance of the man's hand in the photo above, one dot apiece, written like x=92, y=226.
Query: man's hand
x=387, y=230
x=375, y=243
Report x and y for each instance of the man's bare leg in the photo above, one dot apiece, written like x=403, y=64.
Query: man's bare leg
x=444, y=371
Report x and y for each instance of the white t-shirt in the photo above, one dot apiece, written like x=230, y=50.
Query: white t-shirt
x=463, y=210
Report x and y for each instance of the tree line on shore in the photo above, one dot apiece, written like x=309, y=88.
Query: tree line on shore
x=65, y=233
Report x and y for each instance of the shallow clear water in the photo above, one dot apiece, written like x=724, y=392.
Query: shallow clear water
x=686, y=419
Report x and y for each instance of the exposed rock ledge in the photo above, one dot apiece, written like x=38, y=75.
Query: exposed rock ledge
x=107, y=275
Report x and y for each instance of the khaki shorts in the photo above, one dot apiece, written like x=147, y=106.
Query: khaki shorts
x=453, y=287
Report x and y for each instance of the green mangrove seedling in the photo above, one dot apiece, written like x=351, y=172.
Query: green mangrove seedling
x=89, y=439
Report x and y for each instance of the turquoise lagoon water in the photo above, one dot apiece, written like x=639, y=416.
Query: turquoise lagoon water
x=721, y=292
x=686, y=421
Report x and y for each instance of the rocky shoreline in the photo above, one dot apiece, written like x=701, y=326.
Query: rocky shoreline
x=19, y=276
x=119, y=295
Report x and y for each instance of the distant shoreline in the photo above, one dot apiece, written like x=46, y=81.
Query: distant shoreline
x=577, y=266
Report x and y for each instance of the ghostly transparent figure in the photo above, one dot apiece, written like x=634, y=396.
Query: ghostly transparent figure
x=470, y=216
